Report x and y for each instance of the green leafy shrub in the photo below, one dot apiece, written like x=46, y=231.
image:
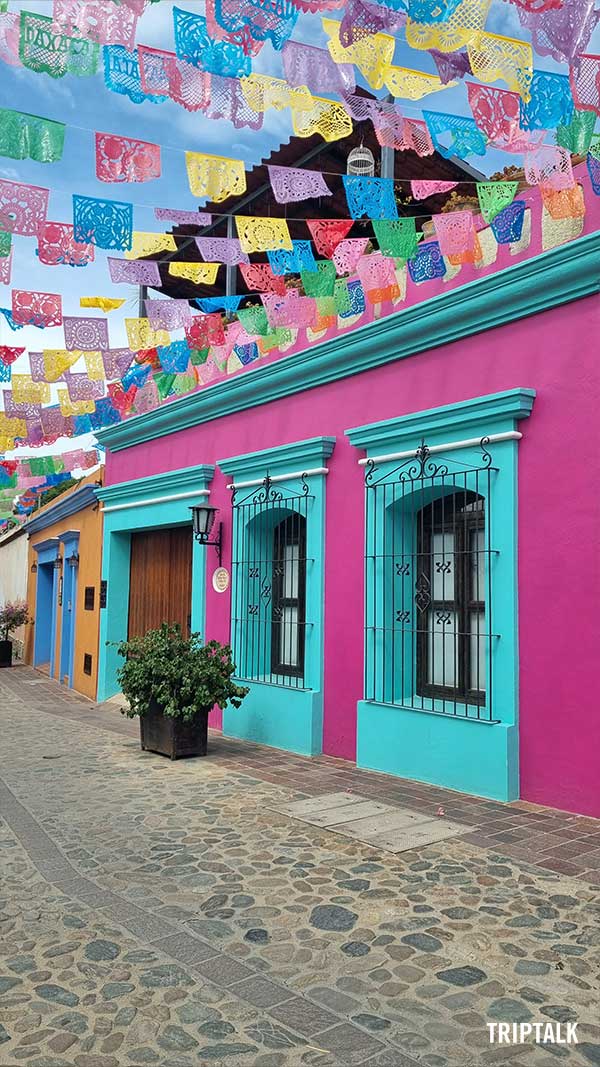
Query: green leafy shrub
x=181, y=674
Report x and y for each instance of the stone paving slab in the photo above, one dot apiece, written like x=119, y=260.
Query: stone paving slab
x=392, y=829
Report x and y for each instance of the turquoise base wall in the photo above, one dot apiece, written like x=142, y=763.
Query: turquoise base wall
x=291, y=719
x=467, y=756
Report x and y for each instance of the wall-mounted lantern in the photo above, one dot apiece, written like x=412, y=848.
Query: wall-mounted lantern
x=203, y=521
x=58, y=563
x=34, y=567
x=73, y=559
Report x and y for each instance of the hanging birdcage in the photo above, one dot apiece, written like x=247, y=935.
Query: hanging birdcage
x=361, y=161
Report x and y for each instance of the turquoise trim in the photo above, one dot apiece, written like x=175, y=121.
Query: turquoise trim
x=144, y=504
x=280, y=715
x=549, y=280
x=299, y=455
x=460, y=753
x=479, y=413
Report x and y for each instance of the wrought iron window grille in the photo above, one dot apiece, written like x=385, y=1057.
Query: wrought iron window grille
x=428, y=585
x=269, y=567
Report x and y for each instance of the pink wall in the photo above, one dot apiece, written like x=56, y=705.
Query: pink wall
x=559, y=514
x=559, y=523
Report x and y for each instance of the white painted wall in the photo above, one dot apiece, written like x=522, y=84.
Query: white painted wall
x=13, y=577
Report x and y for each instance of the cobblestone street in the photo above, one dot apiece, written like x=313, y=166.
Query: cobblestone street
x=160, y=913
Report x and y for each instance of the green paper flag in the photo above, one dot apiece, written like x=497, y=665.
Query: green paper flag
x=198, y=356
x=30, y=137
x=5, y=243
x=164, y=384
x=577, y=136
x=319, y=282
x=397, y=238
x=254, y=320
x=494, y=197
x=341, y=297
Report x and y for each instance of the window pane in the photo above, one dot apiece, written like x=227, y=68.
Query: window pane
x=442, y=648
x=477, y=650
x=442, y=565
x=477, y=547
x=288, y=642
x=291, y=557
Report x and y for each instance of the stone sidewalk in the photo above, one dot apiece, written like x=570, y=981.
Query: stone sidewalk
x=166, y=914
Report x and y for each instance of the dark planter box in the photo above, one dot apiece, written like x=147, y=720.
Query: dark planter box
x=6, y=653
x=173, y=737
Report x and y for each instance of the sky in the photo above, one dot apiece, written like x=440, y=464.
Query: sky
x=85, y=105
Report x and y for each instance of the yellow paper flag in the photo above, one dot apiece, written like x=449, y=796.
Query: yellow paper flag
x=57, y=361
x=413, y=84
x=493, y=57
x=9, y=429
x=26, y=391
x=328, y=118
x=198, y=273
x=262, y=92
x=262, y=235
x=141, y=335
x=94, y=366
x=146, y=244
x=462, y=28
x=215, y=176
x=105, y=303
x=371, y=54
x=74, y=407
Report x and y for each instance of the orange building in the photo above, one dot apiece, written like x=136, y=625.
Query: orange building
x=63, y=589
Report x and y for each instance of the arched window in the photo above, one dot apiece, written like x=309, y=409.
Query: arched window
x=450, y=598
x=289, y=597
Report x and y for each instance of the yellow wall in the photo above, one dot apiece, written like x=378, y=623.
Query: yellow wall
x=89, y=524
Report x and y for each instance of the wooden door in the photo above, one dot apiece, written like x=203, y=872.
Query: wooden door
x=160, y=582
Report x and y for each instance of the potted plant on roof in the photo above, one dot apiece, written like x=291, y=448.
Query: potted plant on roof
x=12, y=615
x=172, y=683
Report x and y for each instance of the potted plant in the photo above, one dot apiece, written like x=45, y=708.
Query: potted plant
x=12, y=615
x=172, y=683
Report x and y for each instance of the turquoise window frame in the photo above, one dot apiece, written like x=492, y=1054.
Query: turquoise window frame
x=464, y=752
x=275, y=713
x=144, y=504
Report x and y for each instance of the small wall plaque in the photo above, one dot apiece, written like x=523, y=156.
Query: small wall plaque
x=220, y=579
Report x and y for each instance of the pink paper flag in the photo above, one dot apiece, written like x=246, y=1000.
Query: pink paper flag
x=123, y=159
x=23, y=208
x=421, y=190
x=36, y=309
x=56, y=246
x=348, y=253
x=455, y=232
x=163, y=74
x=106, y=23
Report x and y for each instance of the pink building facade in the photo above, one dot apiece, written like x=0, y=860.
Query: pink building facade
x=412, y=540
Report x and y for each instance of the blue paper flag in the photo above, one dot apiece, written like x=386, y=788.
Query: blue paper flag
x=370, y=197
x=105, y=223
x=551, y=102
x=292, y=261
x=194, y=44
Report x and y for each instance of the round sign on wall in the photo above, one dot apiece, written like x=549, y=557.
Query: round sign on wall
x=220, y=579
